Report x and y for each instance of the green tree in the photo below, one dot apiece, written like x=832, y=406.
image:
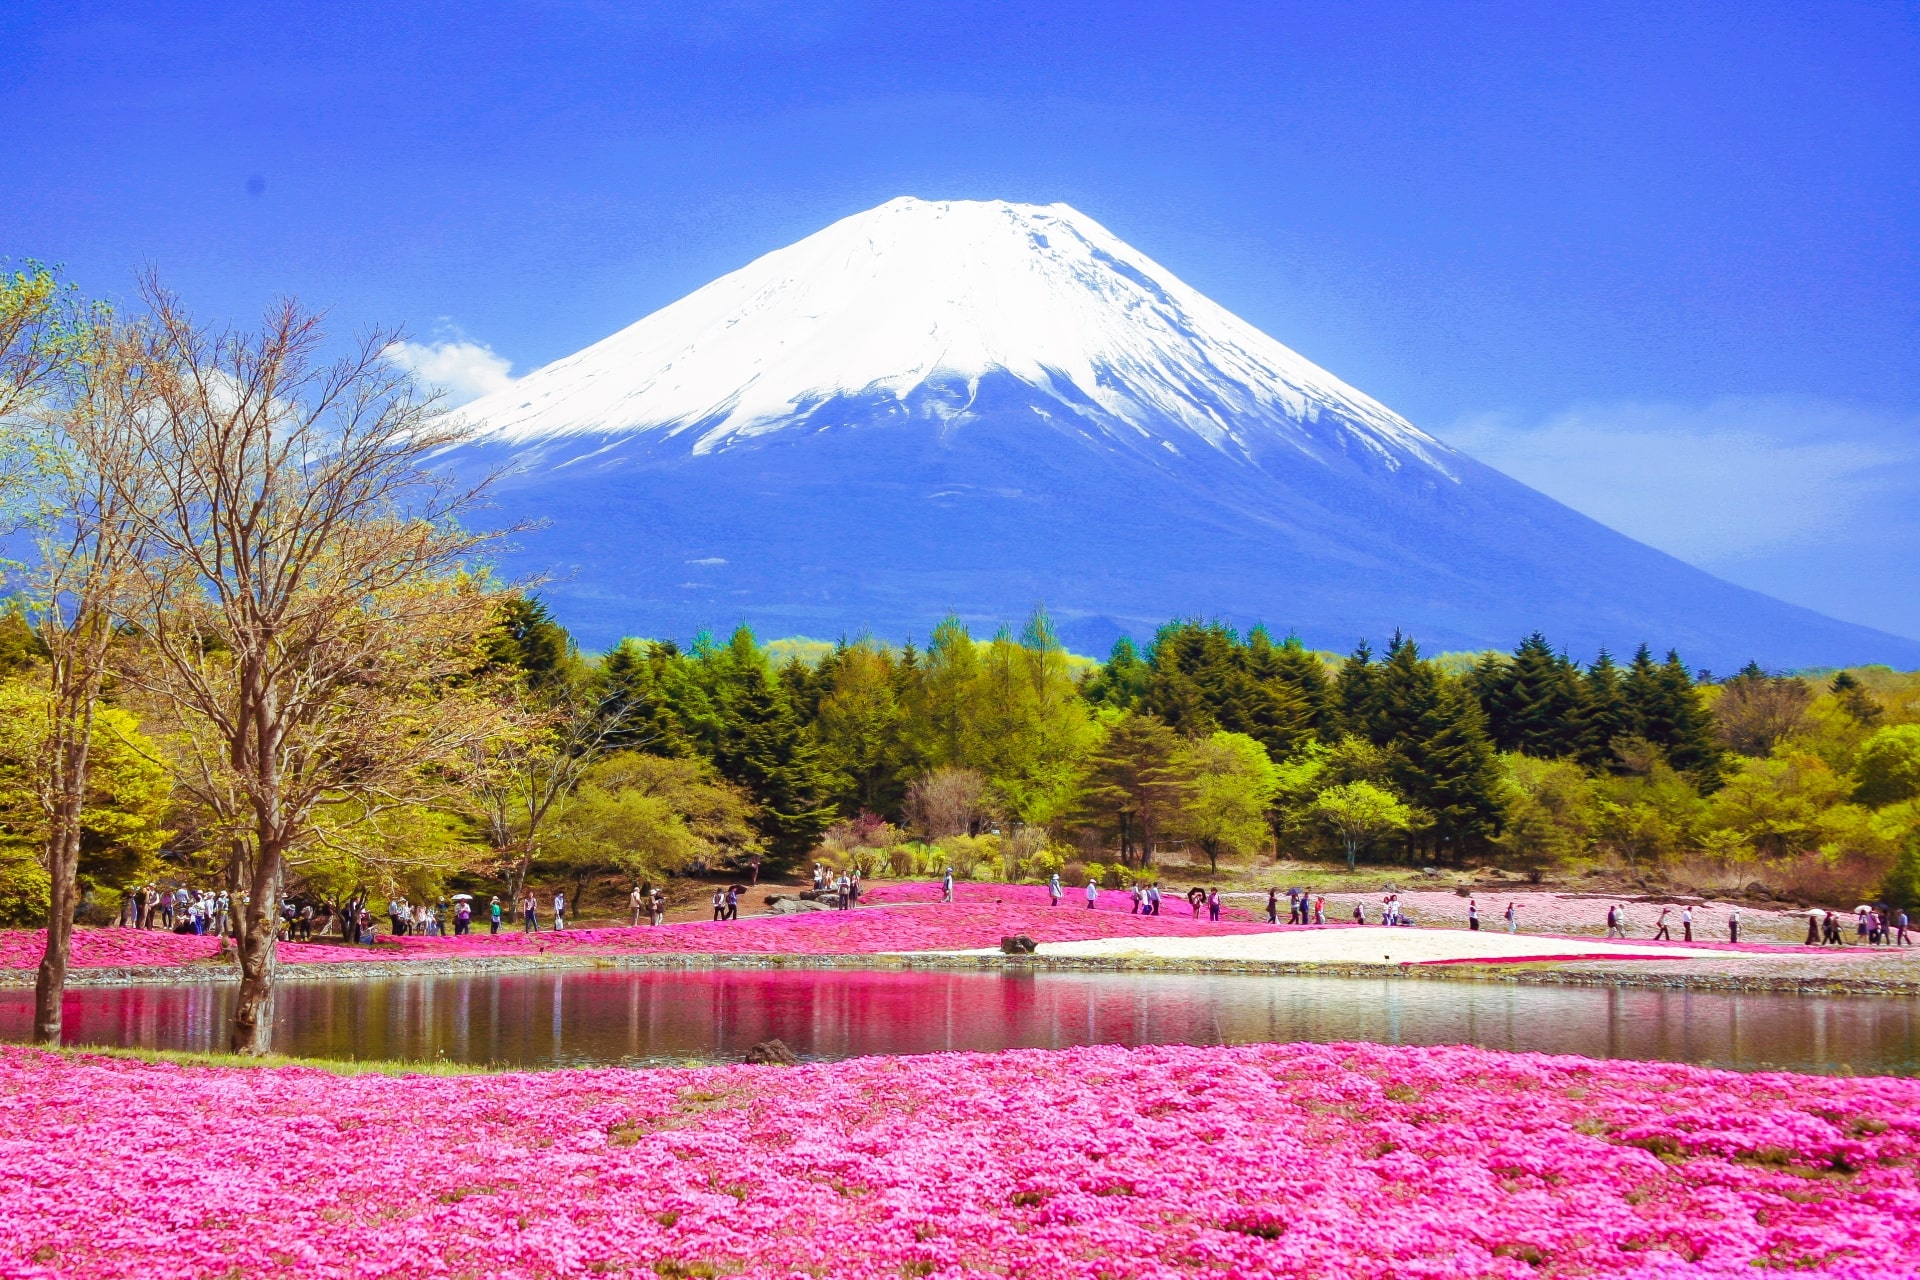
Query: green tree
x=1902, y=884
x=1604, y=717
x=123, y=816
x=1027, y=728
x=1122, y=682
x=764, y=747
x=1548, y=813
x=1887, y=770
x=1358, y=813
x=861, y=729
x=1855, y=698
x=1123, y=789
x=646, y=816
x=1531, y=702
x=1226, y=782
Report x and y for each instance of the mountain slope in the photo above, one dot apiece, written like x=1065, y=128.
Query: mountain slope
x=983, y=406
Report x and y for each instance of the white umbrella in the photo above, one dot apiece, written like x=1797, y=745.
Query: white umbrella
x=1862, y=907
x=463, y=897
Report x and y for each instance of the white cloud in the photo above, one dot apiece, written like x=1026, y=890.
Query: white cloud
x=1735, y=477
x=463, y=370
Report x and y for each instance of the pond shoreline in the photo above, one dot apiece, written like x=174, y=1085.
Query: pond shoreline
x=1668, y=976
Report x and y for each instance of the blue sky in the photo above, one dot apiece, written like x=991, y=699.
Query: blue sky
x=1660, y=261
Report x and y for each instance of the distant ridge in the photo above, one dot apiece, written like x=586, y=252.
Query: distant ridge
x=981, y=406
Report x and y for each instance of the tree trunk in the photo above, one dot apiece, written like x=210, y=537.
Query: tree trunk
x=255, y=924
x=50, y=984
x=73, y=735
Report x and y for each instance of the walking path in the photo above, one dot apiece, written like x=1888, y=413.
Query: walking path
x=1369, y=945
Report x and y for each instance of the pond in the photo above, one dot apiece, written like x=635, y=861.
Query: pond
x=659, y=1017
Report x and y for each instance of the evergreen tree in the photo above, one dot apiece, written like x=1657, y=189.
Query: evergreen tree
x=764, y=747
x=1307, y=676
x=649, y=696
x=1122, y=683
x=1356, y=695
x=1855, y=698
x=1532, y=702
x=526, y=638
x=1688, y=730
x=1123, y=789
x=1453, y=774
x=1604, y=714
x=1197, y=685
x=1275, y=710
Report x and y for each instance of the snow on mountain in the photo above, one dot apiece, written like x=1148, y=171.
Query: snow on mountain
x=885, y=301
x=979, y=407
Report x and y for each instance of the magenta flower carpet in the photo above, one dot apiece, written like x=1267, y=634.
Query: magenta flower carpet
x=1299, y=1160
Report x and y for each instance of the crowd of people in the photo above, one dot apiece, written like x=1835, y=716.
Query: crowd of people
x=182, y=909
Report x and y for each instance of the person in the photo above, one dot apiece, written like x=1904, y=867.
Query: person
x=1473, y=916
x=820, y=877
x=530, y=912
x=1614, y=927
x=1733, y=924
x=1359, y=914
x=1814, y=919
x=306, y=920
x=1860, y=924
x=843, y=890
x=1900, y=938
x=658, y=901
x=559, y=910
x=637, y=902
x=1053, y=890
x=719, y=905
x=1196, y=898
x=1830, y=931
x=1273, y=905
x=1213, y=905
x=1661, y=931
x=1513, y=917
x=733, y=901
x=1686, y=923
x=946, y=886
x=1153, y=899
x=463, y=918
x=753, y=869
x=493, y=915
x=1320, y=909
x=1093, y=892
x=1134, y=895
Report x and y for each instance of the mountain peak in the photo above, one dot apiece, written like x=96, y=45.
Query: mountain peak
x=917, y=293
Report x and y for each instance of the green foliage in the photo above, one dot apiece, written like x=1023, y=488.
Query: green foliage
x=1124, y=789
x=1887, y=769
x=1225, y=785
x=1358, y=813
x=646, y=816
x=126, y=809
x=1902, y=885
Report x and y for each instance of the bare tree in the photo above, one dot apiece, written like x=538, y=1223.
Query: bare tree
x=950, y=801
x=545, y=740
x=85, y=466
x=1756, y=710
x=302, y=624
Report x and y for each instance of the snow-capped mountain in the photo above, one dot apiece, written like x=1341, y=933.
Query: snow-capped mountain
x=981, y=406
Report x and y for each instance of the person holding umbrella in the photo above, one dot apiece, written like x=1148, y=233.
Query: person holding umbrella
x=462, y=914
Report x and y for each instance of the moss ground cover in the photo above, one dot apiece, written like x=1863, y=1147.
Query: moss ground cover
x=1317, y=1160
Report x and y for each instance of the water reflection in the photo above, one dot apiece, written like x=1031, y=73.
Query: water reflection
x=666, y=1016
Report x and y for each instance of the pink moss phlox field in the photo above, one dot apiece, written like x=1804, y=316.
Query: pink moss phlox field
x=906, y=917
x=1299, y=1160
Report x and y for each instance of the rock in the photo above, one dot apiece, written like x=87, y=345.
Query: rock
x=1020, y=945
x=772, y=1053
x=795, y=906
x=1429, y=871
